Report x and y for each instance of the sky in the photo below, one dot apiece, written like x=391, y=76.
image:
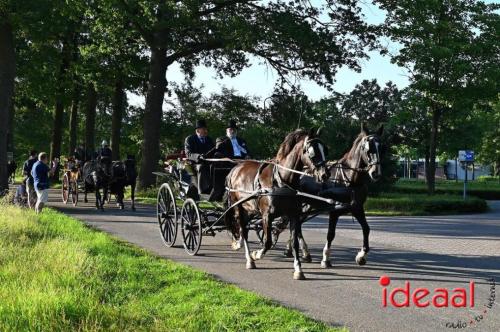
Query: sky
x=258, y=80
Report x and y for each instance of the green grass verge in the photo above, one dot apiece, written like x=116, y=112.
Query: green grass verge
x=482, y=188
x=56, y=274
x=422, y=204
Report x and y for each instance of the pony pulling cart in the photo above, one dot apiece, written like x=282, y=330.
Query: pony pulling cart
x=71, y=182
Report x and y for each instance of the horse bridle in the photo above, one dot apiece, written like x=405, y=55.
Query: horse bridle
x=311, y=153
x=372, y=159
x=369, y=161
x=309, y=150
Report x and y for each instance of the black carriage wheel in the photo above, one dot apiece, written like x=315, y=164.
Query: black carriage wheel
x=65, y=189
x=74, y=192
x=166, y=212
x=191, y=227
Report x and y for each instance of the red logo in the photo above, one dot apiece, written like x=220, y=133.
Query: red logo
x=423, y=297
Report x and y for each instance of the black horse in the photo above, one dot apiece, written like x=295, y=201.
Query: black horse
x=131, y=177
x=123, y=174
x=95, y=178
x=117, y=182
x=348, y=185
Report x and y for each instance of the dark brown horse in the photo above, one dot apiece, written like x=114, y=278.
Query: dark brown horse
x=352, y=172
x=299, y=149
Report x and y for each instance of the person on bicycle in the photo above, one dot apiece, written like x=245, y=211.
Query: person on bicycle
x=105, y=154
x=40, y=173
x=197, y=147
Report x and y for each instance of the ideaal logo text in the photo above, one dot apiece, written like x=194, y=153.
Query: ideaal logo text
x=422, y=297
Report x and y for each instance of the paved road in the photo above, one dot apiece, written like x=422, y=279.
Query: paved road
x=430, y=252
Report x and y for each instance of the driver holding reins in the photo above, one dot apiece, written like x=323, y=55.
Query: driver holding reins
x=105, y=155
x=198, y=147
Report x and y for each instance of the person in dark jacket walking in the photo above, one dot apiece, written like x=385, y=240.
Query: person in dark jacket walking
x=28, y=166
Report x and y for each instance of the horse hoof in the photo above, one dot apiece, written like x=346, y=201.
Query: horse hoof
x=288, y=253
x=254, y=255
x=86, y=201
x=326, y=264
x=307, y=258
x=299, y=276
x=361, y=258
x=235, y=245
x=251, y=265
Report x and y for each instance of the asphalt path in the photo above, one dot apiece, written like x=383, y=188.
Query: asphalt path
x=428, y=252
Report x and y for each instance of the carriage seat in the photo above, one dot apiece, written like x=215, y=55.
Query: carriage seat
x=209, y=180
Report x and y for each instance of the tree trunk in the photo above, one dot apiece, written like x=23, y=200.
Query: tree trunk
x=431, y=173
x=7, y=75
x=55, y=145
x=117, y=116
x=90, y=114
x=153, y=116
x=426, y=165
x=10, y=134
x=73, y=120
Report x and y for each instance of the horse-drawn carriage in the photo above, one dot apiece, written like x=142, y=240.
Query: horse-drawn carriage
x=268, y=196
x=202, y=217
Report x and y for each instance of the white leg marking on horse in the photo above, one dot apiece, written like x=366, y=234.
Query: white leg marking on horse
x=258, y=254
x=361, y=257
x=303, y=246
x=326, y=252
x=296, y=265
x=250, y=261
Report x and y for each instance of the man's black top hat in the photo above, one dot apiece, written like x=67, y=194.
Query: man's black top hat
x=232, y=124
x=201, y=123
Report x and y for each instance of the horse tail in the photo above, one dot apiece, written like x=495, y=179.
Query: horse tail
x=229, y=218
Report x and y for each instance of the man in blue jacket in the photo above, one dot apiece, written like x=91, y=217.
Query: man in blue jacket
x=40, y=173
